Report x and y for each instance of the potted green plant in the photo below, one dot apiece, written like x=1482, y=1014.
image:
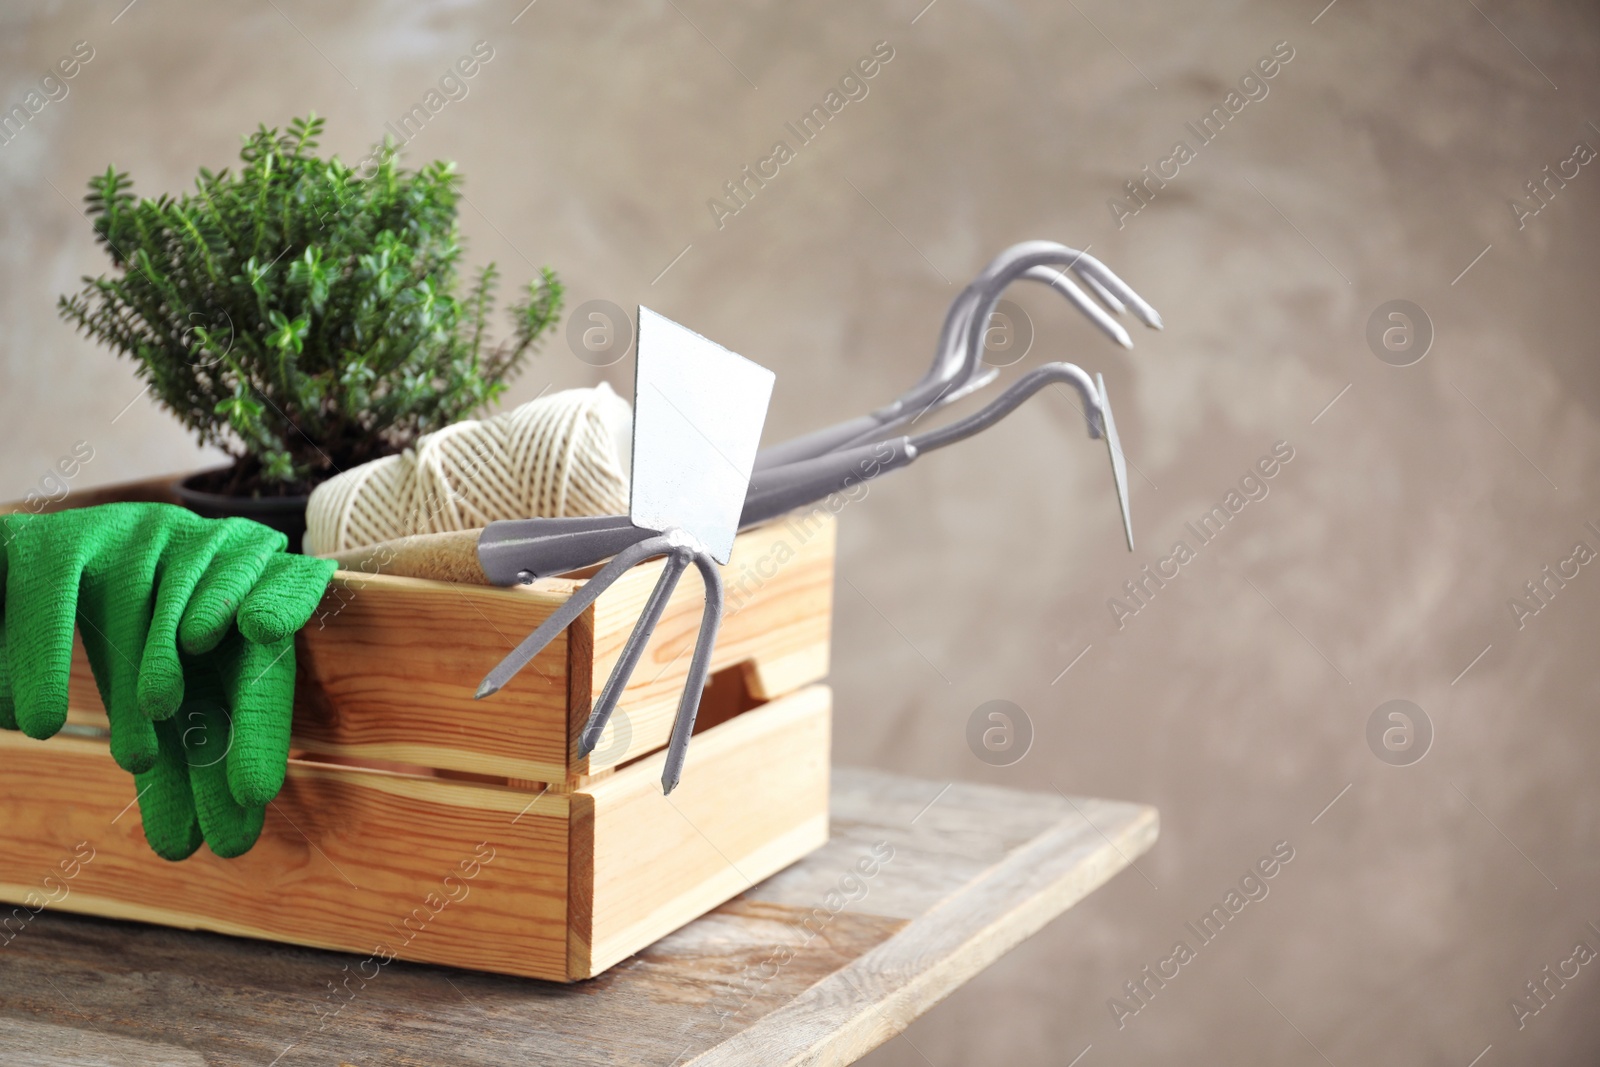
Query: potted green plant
x=301, y=315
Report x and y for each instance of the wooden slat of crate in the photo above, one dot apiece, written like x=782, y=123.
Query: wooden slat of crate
x=388, y=669
x=345, y=860
x=357, y=859
x=756, y=801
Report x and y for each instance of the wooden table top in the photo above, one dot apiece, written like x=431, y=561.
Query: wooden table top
x=922, y=885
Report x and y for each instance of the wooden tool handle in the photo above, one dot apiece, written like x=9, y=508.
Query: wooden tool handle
x=444, y=557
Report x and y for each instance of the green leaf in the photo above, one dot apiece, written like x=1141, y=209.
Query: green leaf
x=287, y=334
x=296, y=310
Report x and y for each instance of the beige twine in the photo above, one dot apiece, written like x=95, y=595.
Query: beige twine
x=564, y=454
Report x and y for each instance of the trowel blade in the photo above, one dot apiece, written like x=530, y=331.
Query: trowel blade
x=698, y=411
x=1119, y=464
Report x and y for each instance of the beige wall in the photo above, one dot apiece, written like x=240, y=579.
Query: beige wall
x=1380, y=565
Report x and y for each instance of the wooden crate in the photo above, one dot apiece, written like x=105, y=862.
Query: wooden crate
x=417, y=823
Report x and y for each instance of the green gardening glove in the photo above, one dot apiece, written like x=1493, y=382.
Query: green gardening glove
x=219, y=706
x=223, y=756
x=185, y=797
x=135, y=579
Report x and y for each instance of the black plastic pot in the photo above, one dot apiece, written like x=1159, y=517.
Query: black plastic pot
x=284, y=513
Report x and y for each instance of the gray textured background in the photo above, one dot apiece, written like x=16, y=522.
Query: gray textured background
x=1380, y=565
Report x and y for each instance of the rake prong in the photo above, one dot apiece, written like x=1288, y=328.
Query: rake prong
x=958, y=368
x=568, y=612
x=949, y=361
x=1007, y=402
x=1119, y=463
x=1087, y=267
x=1015, y=262
x=699, y=669
x=676, y=563
x=1107, y=297
x=1057, y=279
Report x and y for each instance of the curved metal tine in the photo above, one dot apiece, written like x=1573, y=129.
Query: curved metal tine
x=958, y=380
x=798, y=484
x=1003, y=270
x=944, y=381
x=949, y=363
x=564, y=616
x=1056, y=278
x=1034, y=260
x=1096, y=275
x=699, y=670
x=1012, y=398
x=563, y=550
x=677, y=562
x=1096, y=410
x=975, y=305
x=962, y=369
x=1019, y=259
x=1106, y=296
x=1088, y=268
x=957, y=365
x=955, y=361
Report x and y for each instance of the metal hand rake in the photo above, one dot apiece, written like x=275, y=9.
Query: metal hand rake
x=957, y=368
x=772, y=493
x=796, y=473
x=522, y=550
x=680, y=551
x=698, y=410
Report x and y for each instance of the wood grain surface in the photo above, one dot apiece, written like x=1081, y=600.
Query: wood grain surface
x=388, y=667
x=522, y=881
x=759, y=801
x=817, y=964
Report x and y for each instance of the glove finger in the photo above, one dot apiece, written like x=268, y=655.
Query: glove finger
x=189, y=556
x=111, y=651
x=229, y=828
x=259, y=680
x=223, y=587
x=41, y=605
x=127, y=544
x=285, y=597
x=134, y=744
x=166, y=804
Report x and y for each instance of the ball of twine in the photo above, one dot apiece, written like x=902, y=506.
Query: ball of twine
x=563, y=454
